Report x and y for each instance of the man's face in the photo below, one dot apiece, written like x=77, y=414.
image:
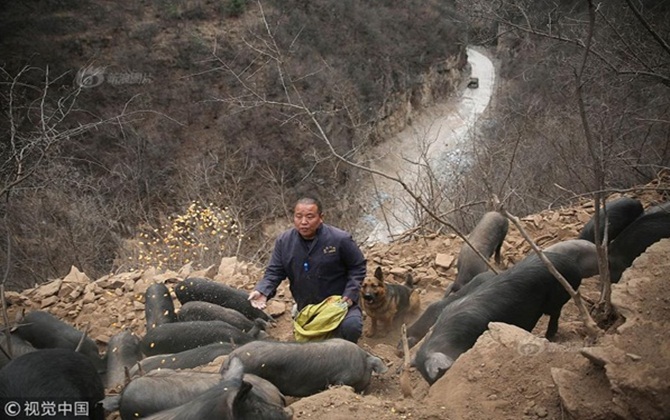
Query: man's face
x=307, y=220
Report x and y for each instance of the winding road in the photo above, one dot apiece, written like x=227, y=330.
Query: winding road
x=436, y=137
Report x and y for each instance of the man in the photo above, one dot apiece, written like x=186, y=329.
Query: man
x=320, y=261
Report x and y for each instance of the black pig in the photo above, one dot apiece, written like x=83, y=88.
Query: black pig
x=620, y=213
x=205, y=311
x=123, y=352
x=302, y=369
x=487, y=237
x=180, y=336
x=183, y=360
x=163, y=389
x=518, y=296
x=58, y=375
x=43, y=331
x=420, y=327
x=158, y=306
x=210, y=291
x=635, y=239
x=237, y=396
x=582, y=252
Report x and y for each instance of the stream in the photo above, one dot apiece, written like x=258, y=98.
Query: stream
x=437, y=138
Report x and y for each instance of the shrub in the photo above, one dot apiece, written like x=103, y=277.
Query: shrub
x=235, y=8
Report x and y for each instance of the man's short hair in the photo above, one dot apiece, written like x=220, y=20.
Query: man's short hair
x=310, y=201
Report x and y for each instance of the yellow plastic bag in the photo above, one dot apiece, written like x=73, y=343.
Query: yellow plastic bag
x=317, y=321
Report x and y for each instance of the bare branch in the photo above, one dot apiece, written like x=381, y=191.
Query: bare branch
x=590, y=325
x=405, y=380
x=648, y=27
x=580, y=43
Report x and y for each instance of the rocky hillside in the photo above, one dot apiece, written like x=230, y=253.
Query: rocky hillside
x=509, y=373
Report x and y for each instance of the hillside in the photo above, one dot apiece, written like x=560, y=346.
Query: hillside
x=180, y=101
x=508, y=374
x=124, y=114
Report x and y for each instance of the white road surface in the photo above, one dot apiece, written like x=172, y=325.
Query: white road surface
x=436, y=136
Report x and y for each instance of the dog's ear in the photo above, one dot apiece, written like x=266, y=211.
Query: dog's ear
x=409, y=280
x=379, y=275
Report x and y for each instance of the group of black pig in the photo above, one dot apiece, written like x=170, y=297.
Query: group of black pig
x=523, y=293
x=214, y=320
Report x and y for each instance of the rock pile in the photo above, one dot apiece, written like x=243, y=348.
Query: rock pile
x=115, y=302
x=632, y=365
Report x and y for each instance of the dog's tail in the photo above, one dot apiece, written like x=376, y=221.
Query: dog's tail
x=409, y=281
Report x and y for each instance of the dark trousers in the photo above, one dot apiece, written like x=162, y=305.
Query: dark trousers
x=352, y=325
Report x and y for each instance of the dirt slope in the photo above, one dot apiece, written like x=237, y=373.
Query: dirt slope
x=505, y=375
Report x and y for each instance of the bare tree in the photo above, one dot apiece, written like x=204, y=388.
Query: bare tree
x=41, y=119
x=618, y=61
x=33, y=123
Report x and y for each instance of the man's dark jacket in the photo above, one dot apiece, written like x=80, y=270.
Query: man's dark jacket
x=330, y=264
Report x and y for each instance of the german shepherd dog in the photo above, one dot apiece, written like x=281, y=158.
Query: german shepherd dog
x=383, y=301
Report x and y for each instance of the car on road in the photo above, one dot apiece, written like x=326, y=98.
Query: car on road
x=473, y=83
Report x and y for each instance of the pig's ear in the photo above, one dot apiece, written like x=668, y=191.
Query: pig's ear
x=233, y=385
x=244, y=389
x=229, y=398
x=234, y=371
x=378, y=366
x=112, y=402
x=234, y=397
x=378, y=274
x=436, y=364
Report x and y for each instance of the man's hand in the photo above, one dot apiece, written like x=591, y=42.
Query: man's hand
x=348, y=301
x=258, y=300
